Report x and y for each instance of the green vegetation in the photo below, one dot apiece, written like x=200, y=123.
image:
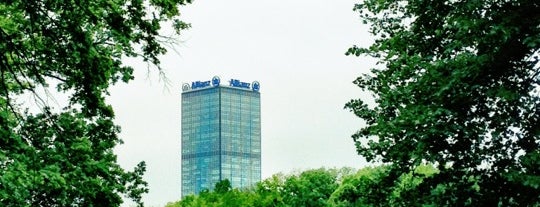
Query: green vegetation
x=455, y=120
x=457, y=87
x=319, y=187
x=64, y=157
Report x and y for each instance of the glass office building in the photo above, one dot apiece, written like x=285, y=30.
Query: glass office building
x=221, y=134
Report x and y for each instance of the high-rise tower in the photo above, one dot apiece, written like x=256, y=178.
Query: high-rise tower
x=221, y=134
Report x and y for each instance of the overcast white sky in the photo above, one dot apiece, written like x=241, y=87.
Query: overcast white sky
x=295, y=49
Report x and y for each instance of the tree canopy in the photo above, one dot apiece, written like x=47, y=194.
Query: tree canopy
x=456, y=86
x=308, y=188
x=64, y=157
x=317, y=187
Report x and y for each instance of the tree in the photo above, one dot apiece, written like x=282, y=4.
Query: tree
x=269, y=191
x=368, y=188
x=458, y=88
x=64, y=157
x=222, y=195
x=365, y=188
x=310, y=188
x=223, y=186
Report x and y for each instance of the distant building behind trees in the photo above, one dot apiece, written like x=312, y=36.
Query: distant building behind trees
x=221, y=134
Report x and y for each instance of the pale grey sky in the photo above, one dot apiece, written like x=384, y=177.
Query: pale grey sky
x=295, y=49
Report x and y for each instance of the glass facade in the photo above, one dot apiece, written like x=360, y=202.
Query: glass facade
x=221, y=138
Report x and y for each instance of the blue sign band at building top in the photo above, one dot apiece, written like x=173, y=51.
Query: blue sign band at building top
x=215, y=82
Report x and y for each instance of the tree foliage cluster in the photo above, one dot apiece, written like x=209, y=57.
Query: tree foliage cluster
x=319, y=187
x=64, y=157
x=457, y=87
